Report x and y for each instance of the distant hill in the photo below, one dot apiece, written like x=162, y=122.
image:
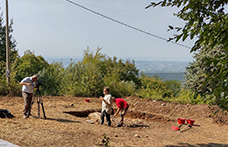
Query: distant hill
x=161, y=66
x=143, y=65
x=167, y=70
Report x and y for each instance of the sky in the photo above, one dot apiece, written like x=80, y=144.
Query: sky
x=57, y=28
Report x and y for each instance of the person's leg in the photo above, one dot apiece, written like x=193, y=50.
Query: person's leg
x=25, y=110
x=122, y=116
x=123, y=112
x=29, y=103
x=102, y=118
x=108, y=119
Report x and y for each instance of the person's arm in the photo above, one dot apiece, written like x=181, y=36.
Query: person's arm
x=102, y=99
x=24, y=83
x=118, y=110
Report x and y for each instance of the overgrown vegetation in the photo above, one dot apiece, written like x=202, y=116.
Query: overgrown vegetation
x=87, y=78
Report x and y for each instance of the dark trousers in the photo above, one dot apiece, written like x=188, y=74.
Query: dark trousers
x=103, y=114
x=122, y=113
x=27, y=102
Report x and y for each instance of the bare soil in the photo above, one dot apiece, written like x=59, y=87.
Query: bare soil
x=73, y=122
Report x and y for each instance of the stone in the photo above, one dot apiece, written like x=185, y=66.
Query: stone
x=163, y=104
x=90, y=121
x=95, y=117
x=136, y=135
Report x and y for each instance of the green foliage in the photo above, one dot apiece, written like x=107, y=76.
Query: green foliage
x=28, y=65
x=206, y=21
x=119, y=88
x=9, y=89
x=204, y=75
x=12, y=42
x=187, y=96
x=82, y=80
x=88, y=77
x=85, y=78
x=154, y=88
x=51, y=79
x=122, y=78
x=12, y=46
x=4, y=88
x=105, y=140
x=174, y=86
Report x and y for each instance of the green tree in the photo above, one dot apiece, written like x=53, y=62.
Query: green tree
x=82, y=79
x=88, y=77
x=51, y=79
x=12, y=46
x=174, y=86
x=154, y=88
x=5, y=88
x=207, y=22
x=201, y=76
x=28, y=65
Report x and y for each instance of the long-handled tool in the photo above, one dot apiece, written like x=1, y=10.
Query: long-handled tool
x=181, y=122
x=190, y=124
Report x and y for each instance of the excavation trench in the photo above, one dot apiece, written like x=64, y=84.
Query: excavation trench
x=129, y=115
x=84, y=113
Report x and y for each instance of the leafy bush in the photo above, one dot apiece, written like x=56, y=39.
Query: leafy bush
x=51, y=79
x=187, y=96
x=154, y=88
x=12, y=88
x=82, y=80
x=174, y=86
x=88, y=77
x=28, y=65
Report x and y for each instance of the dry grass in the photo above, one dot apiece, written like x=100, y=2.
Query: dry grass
x=147, y=123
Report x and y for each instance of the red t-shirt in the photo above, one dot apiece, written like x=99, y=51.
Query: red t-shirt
x=121, y=103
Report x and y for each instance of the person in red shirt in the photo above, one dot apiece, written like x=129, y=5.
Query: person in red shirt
x=122, y=108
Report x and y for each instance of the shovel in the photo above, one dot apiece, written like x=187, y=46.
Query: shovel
x=190, y=124
x=181, y=121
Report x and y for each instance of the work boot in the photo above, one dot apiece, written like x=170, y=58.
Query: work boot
x=119, y=124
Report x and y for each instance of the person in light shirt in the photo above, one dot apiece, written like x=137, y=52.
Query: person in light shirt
x=27, y=93
x=106, y=106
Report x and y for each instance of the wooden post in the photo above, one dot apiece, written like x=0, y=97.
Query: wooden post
x=7, y=46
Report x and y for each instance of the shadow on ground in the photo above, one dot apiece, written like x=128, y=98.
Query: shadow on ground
x=63, y=120
x=198, y=145
x=137, y=126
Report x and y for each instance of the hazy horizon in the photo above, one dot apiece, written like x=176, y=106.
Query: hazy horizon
x=59, y=28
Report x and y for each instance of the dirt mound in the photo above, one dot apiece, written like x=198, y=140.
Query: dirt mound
x=172, y=110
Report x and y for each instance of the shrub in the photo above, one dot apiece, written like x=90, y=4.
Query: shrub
x=154, y=88
x=51, y=79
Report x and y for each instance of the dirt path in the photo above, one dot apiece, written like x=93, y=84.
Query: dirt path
x=148, y=123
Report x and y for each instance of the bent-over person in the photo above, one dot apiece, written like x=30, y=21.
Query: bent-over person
x=122, y=108
x=27, y=93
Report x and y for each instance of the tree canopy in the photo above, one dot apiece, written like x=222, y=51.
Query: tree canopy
x=205, y=19
x=207, y=22
x=12, y=46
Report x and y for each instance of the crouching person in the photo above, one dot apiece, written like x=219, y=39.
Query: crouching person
x=106, y=106
x=122, y=108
